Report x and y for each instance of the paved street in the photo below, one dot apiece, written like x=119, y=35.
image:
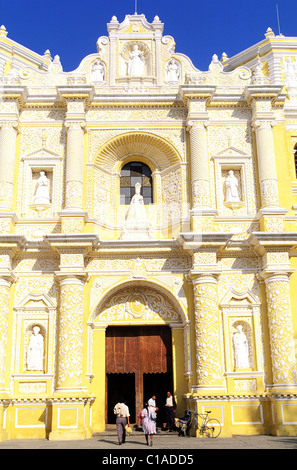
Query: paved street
x=163, y=441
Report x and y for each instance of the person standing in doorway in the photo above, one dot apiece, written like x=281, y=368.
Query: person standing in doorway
x=170, y=407
x=121, y=411
x=152, y=407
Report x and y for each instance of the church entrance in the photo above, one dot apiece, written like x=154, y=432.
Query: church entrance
x=138, y=365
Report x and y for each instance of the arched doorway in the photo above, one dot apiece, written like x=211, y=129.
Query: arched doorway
x=138, y=364
x=144, y=320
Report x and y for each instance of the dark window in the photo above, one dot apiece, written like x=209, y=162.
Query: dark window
x=132, y=173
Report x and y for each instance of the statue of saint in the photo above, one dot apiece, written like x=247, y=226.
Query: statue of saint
x=42, y=190
x=231, y=187
x=173, y=71
x=98, y=72
x=241, y=349
x=136, y=211
x=35, y=350
x=290, y=69
x=136, y=62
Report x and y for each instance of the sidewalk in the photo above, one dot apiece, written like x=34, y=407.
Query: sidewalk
x=107, y=440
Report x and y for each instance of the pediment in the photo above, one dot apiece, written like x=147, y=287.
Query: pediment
x=36, y=301
x=231, y=151
x=244, y=298
x=43, y=153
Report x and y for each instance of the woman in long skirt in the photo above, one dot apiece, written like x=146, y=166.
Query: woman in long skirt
x=148, y=424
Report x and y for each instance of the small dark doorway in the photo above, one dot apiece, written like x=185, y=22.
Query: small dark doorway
x=159, y=385
x=120, y=387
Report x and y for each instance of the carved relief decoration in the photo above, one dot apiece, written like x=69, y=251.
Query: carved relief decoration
x=281, y=332
x=138, y=304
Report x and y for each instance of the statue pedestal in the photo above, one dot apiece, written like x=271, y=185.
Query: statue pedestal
x=40, y=207
x=234, y=205
x=133, y=230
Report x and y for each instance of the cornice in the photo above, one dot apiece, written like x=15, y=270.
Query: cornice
x=263, y=241
x=195, y=241
x=78, y=241
x=15, y=92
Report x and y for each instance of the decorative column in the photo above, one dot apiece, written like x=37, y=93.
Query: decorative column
x=263, y=121
x=199, y=164
x=74, y=165
x=73, y=216
x=266, y=164
x=70, y=336
x=281, y=331
x=72, y=392
x=195, y=97
x=158, y=27
x=281, y=374
x=5, y=284
x=208, y=354
x=11, y=95
x=8, y=138
x=10, y=244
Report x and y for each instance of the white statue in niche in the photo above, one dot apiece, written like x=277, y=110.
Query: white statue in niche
x=173, y=71
x=136, y=211
x=136, y=62
x=241, y=349
x=290, y=69
x=35, y=350
x=98, y=72
x=42, y=190
x=231, y=188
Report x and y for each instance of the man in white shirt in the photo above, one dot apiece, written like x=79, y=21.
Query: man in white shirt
x=152, y=406
x=121, y=411
x=170, y=406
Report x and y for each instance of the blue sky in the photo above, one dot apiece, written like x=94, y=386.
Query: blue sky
x=70, y=28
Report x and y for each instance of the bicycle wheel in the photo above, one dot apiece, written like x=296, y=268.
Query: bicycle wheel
x=191, y=428
x=212, y=428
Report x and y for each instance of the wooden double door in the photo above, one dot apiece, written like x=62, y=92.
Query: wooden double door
x=138, y=365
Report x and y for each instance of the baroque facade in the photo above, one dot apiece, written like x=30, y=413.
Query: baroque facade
x=205, y=248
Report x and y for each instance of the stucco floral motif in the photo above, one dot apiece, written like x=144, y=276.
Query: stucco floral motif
x=281, y=332
x=138, y=304
x=207, y=334
x=70, y=335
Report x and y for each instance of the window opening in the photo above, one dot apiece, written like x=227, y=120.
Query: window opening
x=132, y=173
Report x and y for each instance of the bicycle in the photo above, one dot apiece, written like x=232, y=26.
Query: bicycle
x=208, y=427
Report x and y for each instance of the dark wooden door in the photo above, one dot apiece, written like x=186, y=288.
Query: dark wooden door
x=138, y=350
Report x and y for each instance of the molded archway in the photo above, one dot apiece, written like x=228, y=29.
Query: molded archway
x=156, y=148
x=144, y=304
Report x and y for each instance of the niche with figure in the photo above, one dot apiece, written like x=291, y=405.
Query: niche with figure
x=98, y=72
x=241, y=341
x=41, y=189
x=135, y=60
x=232, y=189
x=35, y=348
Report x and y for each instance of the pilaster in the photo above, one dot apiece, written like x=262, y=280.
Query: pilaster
x=71, y=391
x=196, y=99
x=73, y=216
x=204, y=276
x=9, y=245
x=276, y=273
x=261, y=99
x=12, y=97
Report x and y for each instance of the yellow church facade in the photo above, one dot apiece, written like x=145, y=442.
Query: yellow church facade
x=148, y=235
